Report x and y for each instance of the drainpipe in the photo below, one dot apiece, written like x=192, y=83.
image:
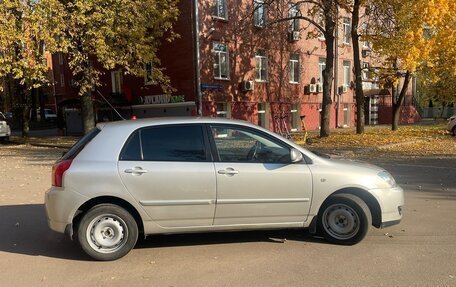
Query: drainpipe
x=336, y=68
x=196, y=40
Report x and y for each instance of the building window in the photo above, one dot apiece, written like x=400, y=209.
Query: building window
x=259, y=13
x=223, y=110
x=263, y=115
x=295, y=117
x=220, y=9
x=60, y=58
x=346, y=70
x=346, y=115
x=148, y=77
x=293, y=12
x=347, y=30
x=62, y=80
x=294, y=68
x=321, y=68
x=365, y=32
x=116, y=80
x=221, y=61
x=261, y=64
x=365, y=71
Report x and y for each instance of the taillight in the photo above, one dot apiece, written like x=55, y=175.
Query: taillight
x=58, y=170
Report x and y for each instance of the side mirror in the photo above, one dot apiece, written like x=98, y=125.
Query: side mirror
x=295, y=155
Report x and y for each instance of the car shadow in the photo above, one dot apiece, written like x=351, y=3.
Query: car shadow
x=24, y=230
x=234, y=237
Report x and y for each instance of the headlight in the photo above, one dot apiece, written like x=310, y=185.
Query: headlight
x=388, y=178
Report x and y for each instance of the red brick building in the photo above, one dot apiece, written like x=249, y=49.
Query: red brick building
x=228, y=62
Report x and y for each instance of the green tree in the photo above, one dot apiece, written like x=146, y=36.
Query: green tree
x=115, y=34
x=27, y=29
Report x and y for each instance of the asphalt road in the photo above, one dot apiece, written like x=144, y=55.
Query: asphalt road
x=421, y=251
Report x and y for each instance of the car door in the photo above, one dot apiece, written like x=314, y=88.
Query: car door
x=256, y=181
x=169, y=171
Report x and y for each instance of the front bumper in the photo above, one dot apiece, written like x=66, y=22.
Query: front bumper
x=391, y=202
x=61, y=206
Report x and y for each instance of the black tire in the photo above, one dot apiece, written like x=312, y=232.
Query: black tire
x=453, y=131
x=344, y=219
x=107, y=232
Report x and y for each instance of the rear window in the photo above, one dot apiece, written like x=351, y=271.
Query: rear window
x=2, y=117
x=79, y=146
x=169, y=143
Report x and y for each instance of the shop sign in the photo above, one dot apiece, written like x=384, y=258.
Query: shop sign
x=161, y=99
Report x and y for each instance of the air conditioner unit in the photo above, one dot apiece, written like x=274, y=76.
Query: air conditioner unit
x=319, y=88
x=312, y=88
x=247, y=86
x=343, y=89
x=294, y=36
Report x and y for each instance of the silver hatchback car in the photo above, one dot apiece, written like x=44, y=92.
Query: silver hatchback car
x=142, y=177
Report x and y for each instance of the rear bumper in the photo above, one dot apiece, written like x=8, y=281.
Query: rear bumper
x=61, y=206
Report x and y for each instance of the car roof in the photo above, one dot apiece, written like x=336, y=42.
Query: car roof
x=170, y=121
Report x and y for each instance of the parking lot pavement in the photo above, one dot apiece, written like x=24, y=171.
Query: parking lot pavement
x=418, y=252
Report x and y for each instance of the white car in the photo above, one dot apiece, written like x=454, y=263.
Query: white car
x=5, y=130
x=175, y=175
x=452, y=125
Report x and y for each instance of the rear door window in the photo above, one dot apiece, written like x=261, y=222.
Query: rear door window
x=167, y=143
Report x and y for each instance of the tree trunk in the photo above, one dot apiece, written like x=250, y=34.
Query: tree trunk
x=88, y=116
x=399, y=102
x=328, y=73
x=358, y=70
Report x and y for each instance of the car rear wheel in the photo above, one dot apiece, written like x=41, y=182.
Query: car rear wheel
x=454, y=131
x=344, y=219
x=107, y=232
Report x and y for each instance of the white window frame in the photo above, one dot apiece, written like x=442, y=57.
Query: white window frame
x=365, y=71
x=321, y=67
x=261, y=64
x=220, y=50
x=346, y=37
x=259, y=14
x=295, y=117
x=62, y=80
x=365, y=30
x=263, y=114
x=225, y=111
x=293, y=11
x=220, y=9
x=116, y=81
x=347, y=73
x=295, y=69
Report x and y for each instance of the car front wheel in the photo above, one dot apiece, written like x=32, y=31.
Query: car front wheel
x=107, y=232
x=344, y=219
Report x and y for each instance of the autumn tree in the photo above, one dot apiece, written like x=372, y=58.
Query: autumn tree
x=27, y=29
x=322, y=15
x=437, y=76
x=104, y=35
x=398, y=31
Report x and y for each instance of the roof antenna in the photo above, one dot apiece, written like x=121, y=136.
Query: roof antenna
x=111, y=105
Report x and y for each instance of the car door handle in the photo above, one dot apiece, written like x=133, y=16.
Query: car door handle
x=228, y=171
x=136, y=171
